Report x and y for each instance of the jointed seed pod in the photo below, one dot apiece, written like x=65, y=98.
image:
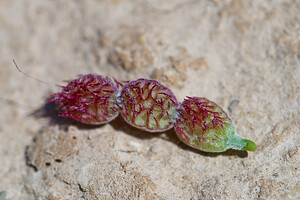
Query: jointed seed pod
x=90, y=99
x=202, y=124
x=148, y=105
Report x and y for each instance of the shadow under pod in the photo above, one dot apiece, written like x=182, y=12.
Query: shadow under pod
x=172, y=137
x=120, y=125
x=48, y=110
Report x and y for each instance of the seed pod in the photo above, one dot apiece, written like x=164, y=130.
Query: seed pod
x=90, y=99
x=202, y=124
x=147, y=105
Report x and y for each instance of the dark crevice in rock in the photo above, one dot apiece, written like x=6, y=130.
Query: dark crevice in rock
x=58, y=160
x=28, y=160
x=81, y=188
x=83, y=191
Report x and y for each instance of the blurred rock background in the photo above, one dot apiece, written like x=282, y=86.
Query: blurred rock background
x=244, y=55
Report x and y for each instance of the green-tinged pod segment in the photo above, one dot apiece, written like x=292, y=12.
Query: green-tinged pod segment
x=148, y=105
x=250, y=145
x=239, y=143
x=202, y=124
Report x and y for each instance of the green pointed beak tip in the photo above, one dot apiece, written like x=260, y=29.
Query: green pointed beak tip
x=250, y=146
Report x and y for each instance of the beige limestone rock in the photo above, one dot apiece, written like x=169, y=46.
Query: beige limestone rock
x=244, y=55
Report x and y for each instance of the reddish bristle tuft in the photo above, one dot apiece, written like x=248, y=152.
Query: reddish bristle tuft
x=90, y=99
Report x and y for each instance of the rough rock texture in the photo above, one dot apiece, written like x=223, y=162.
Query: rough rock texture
x=244, y=55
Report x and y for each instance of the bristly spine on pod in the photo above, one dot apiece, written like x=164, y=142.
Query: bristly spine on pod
x=90, y=99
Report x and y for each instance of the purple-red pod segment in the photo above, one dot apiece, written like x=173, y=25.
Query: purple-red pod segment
x=202, y=124
x=148, y=105
x=90, y=99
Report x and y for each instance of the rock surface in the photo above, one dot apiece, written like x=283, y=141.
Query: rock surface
x=244, y=55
